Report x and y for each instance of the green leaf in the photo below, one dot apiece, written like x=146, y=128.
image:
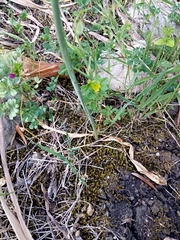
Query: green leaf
x=23, y=15
x=157, y=93
x=83, y=2
x=79, y=27
x=170, y=43
x=46, y=30
x=3, y=89
x=178, y=97
x=165, y=64
x=160, y=42
x=13, y=92
x=168, y=31
x=169, y=2
x=77, y=50
x=12, y=108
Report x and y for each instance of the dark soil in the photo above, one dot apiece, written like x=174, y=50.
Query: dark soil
x=124, y=206
x=134, y=210
x=143, y=213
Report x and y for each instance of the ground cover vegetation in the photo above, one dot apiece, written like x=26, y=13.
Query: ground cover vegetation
x=58, y=80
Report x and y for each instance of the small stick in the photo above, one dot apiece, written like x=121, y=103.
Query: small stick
x=145, y=181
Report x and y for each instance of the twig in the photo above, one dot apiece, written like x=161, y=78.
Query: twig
x=145, y=180
x=71, y=135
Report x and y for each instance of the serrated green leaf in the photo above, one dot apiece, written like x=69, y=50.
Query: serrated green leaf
x=13, y=92
x=3, y=89
x=12, y=108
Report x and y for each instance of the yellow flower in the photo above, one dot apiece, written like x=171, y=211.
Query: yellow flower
x=95, y=85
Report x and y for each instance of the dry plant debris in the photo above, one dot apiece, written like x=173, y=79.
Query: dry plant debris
x=17, y=223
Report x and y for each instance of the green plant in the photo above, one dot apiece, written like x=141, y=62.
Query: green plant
x=161, y=74
x=32, y=112
x=52, y=85
x=139, y=59
x=49, y=44
x=17, y=24
x=174, y=16
x=159, y=93
x=83, y=3
x=167, y=39
x=85, y=55
x=13, y=87
x=95, y=92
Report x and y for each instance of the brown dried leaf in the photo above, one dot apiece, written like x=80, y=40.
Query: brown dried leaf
x=144, y=180
x=140, y=168
x=153, y=176
x=40, y=69
x=19, y=131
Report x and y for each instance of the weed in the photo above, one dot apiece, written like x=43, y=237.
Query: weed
x=17, y=25
x=12, y=87
x=167, y=38
x=95, y=92
x=83, y=3
x=52, y=85
x=161, y=85
x=48, y=43
x=174, y=16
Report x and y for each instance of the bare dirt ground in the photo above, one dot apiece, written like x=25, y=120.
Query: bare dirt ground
x=115, y=204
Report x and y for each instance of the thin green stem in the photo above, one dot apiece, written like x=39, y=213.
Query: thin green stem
x=64, y=51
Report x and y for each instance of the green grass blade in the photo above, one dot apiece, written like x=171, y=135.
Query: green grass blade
x=64, y=51
x=120, y=112
x=157, y=93
x=64, y=159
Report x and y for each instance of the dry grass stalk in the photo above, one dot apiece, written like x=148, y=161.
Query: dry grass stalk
x=71, y=135
x=18, y=223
